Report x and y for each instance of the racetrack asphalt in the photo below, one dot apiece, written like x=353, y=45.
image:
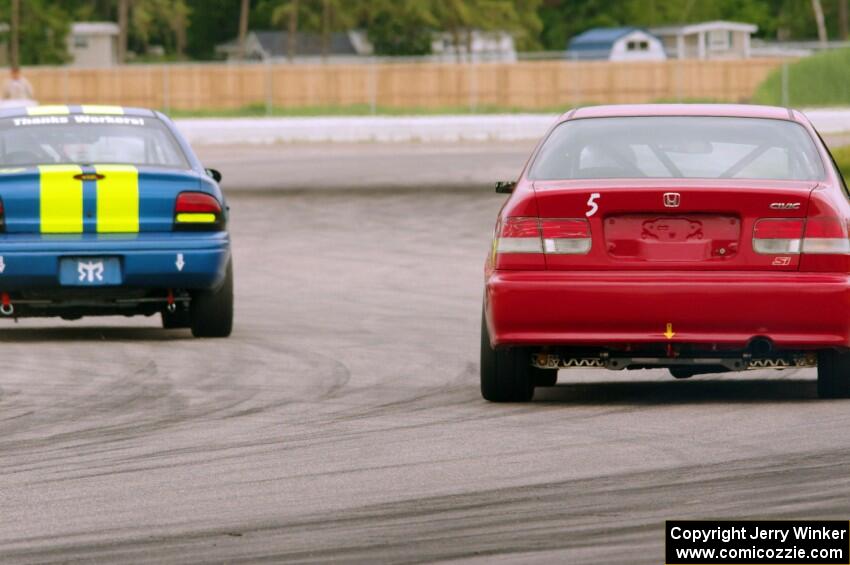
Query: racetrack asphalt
x=312, y=167
x=342, y=420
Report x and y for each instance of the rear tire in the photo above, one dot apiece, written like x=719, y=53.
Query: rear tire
x=834, y=374
x=211, y=311
x=506, y=374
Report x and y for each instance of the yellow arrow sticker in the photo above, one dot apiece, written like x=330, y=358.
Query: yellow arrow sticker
x=669, y=333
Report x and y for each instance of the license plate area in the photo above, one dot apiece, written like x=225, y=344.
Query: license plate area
x=90, y=271
x=672, y=238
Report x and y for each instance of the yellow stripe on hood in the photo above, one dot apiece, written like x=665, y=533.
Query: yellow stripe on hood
x=60, y=199
x=117, y=199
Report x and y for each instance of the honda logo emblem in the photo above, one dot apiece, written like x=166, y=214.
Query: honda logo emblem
x=672, y=199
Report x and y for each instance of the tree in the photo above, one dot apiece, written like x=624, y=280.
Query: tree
x=295, y=17
x=14, y=54
x=159, y=22
x=212, y=22
x=181, y=27
x=243, y=26
x=336, y=16
x=529, y=25
x=407, y=27
x=398, y=27
x=461, y=17
x=456, y=17
x=123, y=25
x=316, y=16
x=563, y=20
x=817, y=8
x=288, y=13
x=327, y=17
x=42, y=30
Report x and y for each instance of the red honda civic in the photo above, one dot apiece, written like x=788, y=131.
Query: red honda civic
x=697, y=238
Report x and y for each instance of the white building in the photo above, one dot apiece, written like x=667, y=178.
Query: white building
x=475, y=45
x=707, y=40
x=353, y=46
x=616, y=44
x=93, y=44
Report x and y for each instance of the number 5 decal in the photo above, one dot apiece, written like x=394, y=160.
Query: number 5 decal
x=594, y=207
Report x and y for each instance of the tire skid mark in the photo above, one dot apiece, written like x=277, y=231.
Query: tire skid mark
x=594, y=514
x=66, y=446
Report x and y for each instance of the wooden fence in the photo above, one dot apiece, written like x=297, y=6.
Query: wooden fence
x=529, y=85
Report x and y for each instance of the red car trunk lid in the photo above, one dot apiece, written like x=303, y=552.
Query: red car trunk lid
x=675, y=224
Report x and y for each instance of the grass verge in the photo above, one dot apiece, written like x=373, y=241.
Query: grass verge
x=842, y=158
x=818, y=80
x=260, y=111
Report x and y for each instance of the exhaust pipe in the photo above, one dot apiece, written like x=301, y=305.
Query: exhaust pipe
x=6, y=307
x=761, y=347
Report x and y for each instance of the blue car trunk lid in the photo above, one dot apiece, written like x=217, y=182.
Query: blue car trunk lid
x=104, y=199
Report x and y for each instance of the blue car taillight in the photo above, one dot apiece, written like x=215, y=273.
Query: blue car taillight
x=198, y=211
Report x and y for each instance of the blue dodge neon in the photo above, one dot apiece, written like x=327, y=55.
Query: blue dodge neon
x=106, y=210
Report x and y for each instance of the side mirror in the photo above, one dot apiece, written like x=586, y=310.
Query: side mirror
x=215, y=174
x=505, y=186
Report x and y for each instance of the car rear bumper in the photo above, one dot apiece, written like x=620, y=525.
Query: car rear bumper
x=185, y=260
x=794, y=310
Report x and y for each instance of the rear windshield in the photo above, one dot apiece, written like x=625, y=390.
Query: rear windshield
x=678, y=147
x=82, y=139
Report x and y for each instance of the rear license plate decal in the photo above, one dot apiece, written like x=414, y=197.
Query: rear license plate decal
x=90, y=271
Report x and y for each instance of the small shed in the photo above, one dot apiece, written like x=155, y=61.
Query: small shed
x=93, y=44
x=707, y=40
x=616, y=44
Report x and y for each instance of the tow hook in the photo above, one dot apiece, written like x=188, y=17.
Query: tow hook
x=172, y=307
x=6, y=307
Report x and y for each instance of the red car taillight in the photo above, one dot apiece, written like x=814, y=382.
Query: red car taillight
x=826, y=235
x=822, y=236
x=519, y=235
x=826, y=246
x=538, y=237
x=778, y=236
x=821, y=241
x=566, y=237
x=197, y=211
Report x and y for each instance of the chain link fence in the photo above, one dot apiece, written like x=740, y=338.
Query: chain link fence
x=535, y=82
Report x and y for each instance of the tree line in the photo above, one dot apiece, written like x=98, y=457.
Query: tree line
x=190, y=29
